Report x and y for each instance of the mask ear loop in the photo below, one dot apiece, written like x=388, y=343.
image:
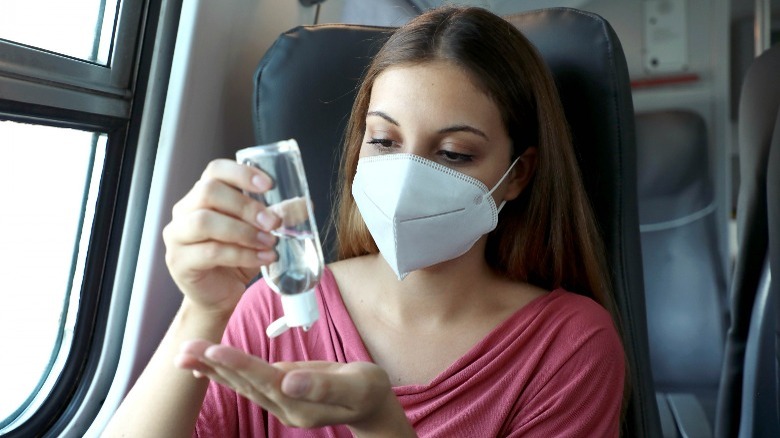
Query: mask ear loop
x=499, y=183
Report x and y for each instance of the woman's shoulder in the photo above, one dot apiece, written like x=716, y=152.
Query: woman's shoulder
x=355, y=273
x=577, y=308
x=567, y=320
x=353, y=265
x=569, y=329
x=578, y=365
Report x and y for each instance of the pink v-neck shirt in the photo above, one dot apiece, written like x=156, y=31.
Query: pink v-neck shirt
x=554, y=368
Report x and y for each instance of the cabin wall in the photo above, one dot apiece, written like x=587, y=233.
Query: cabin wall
x=708, y=57
x=377, y=12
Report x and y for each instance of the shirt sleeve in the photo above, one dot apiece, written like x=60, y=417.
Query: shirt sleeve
x=580, y=393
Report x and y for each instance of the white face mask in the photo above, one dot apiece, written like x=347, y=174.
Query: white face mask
x=419, y=212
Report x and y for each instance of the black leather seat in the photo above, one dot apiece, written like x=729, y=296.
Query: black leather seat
x=685, y=272
x=748, y=403
x=307, y=81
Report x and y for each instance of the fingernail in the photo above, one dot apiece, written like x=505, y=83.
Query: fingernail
x=260, y=182
x=267, y=256
x=296, y=385
x=266, y=220
x=266, y=239
x=211, y=354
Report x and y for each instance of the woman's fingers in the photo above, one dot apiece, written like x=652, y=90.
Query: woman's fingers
x=334, y=393
x=189, y=357
x=220, y=237
x=249, y=367
x=219, y=196
x=195, y=347
x=302, y=394
x=207, y=240
x=348, y=385
x=193, y=356
x=207, y=255
x=249, y=376
x=243, y=177
x=222, y=188
x=208, y=225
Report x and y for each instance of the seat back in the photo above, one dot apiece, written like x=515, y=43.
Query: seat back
x=685, y=278
x=772, y=309
x=758, y=416
x=306, y=83
x=758, y=111
x=760, y=409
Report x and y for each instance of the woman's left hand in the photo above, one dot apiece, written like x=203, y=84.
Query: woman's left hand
x=304, y=394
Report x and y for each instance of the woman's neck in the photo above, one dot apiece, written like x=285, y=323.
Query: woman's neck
x=445, y=292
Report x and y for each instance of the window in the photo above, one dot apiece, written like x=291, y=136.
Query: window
x=79, y=28
x=45, y=233
x=72, y=76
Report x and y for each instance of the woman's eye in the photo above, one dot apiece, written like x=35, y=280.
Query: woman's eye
x=382, y=143
x=455, y=157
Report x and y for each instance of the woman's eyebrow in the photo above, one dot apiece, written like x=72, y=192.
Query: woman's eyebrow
x=453, y=128
x=463, y=128
x=382, y=115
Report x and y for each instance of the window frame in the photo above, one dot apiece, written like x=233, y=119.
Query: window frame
x=49, y=89
x=100, y=262
x=40, y=66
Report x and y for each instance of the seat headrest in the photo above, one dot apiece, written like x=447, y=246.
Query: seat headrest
x=306, y=84
x=674, y=179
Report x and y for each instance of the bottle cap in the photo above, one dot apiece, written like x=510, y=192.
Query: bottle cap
x=300, y=310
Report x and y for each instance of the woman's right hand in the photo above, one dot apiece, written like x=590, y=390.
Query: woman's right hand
x=219, y=237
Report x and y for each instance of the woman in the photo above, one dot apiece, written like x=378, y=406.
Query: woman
x=470, y=298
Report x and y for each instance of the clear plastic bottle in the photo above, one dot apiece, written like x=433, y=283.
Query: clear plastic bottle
x=299, y=265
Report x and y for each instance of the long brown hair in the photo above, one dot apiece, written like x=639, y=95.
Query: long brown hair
x=548, y=235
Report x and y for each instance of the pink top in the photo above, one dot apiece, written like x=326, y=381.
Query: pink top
x=554, y=368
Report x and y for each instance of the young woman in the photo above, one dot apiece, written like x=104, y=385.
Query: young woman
x=471, y=295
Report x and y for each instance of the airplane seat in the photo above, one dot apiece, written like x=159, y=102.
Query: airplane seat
x=306, y=83
x=749, y=383
x=772, y=309
x=685, y=278
x=758, y=417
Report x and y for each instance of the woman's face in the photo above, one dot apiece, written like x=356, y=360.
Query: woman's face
x=434, y=110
